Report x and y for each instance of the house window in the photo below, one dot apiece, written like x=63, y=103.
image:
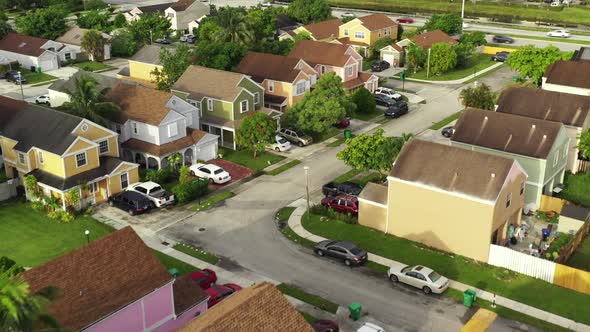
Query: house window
x=322, y=69
x=313, y=79
x=346, y=32
x=300, y=88
x=244, y=106
x=118, y=129
x=124, y=181
x=170, y=15
x=21, y=158
x=349, y=70
x=68, y=56
x=210, y=105
x=522, y=188
x=41, y=159
x=135, y=130
x=556, y=158
x=172, y=129
x=256, y=98
x=271, y=86
x=81, y=159
x=508, y=200
x=103, y=146
x=359, y=34
x=94, y=187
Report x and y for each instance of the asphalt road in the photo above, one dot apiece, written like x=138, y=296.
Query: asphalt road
x=538, y=43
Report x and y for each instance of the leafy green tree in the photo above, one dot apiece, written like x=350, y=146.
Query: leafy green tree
x=584, y=145
x=449, y=23
x=301, y=36
x=93, y=43
x=476, y=38
x=47, y=23
x=219, y=55
x=309, y=11
x=234, y=26
x=261, y=23
x=279, y=47
x=464, y=51
x=95, y=19
x=416, y=56
x=442, y=58
x=480, y=96
x=208, y=29
x=94, y=4
x=149, y=28
x=364, y=101
x=531, y=61
x=9, y=267
x=119, y=21
x=87, y=102
x=256, y=132
x=124, y=44
x=173, y=66
x=4, y=26
x=379, y=44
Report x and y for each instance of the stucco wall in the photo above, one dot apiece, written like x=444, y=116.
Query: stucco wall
x=141, y=70
x=185, y=318
x=372, y=215
x=564, y=88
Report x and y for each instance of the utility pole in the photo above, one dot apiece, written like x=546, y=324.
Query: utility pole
x=306, y=168
x=462, y=15
x=20, y=82
x=428, y=65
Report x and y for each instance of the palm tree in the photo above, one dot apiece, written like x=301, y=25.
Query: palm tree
x=87, y=102
x=234, y=27
x=93, y=43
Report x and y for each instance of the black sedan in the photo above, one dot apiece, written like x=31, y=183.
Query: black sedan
x=503, y=39
x=131, y=201
x=347, y=188
x=379, y=65
x=500, y=56
x=343, y=250
x=396, y=110
x=384, y=100
x=448, y=131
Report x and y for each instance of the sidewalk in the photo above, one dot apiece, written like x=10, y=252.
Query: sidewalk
x=459, y=81
x=295, y=225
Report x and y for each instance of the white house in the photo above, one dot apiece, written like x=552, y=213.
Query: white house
x=184, y=15
x=73, y=39
x=33, y=52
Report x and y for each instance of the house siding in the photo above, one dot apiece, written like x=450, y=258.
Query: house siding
x=238, y=115
x=221, y=109
x=141, y=70
x=183, y=318
x=114, y=181
x=512, y=214
x=284, y=89
x=180, y=128
x=91, y=162
x=52, y=163
x=8, y=148
x=372, y=215
x=253, y=88
x=145, y=132
x=93, y=133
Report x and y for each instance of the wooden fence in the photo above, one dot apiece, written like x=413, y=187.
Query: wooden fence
x=583, y=166
x=568, y=250
x=572, y=278
x=549, y=203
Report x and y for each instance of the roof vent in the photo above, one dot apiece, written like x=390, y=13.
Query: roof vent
x=493, y=175
x=485, y=117
x=533, y=126
x=544, y=136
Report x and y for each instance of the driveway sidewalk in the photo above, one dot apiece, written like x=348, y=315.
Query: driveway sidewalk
x=459, y=81
x=295, y=225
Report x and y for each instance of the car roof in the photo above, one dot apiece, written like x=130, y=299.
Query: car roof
x=384, y=88
x=422, y=269
x=148, y=184
x=211, y=166
x=345, y=244
x=133, y=195
x=346, y=197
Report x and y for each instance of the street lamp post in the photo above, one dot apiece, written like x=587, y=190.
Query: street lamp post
x=306, y=168
x=87, y=232
x=20, y=82
x=462, y=15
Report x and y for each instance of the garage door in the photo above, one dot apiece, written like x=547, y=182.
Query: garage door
x=208, y=151
x=48, y=64
x=388, y=58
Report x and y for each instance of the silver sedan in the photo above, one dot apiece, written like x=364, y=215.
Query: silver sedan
x=418, y=276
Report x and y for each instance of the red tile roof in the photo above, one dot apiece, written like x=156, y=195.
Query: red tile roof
x=427, y=39
x=316, y=52
x=377, y=21
x=22, y=44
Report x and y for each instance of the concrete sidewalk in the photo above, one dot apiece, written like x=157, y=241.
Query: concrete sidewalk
x=295, y=225
x=459, y=81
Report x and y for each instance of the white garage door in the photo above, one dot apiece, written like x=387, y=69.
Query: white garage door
x=388, y=58
x=48, y=64
x=208, y=151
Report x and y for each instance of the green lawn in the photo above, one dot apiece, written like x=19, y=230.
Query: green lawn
x=197, y=253
x=34, y=78
x=475, y=64
x=537, y=293
x=308, y=318
x=284, y=213
x=31, y=238
x=246, y=158
x=93, y=66
x=212, y=200
x=314, y=300
x=366, y=116
x=581, y=258
x=577, y=188
x=347, y=176
x=370, y=177
x=325, y=135
x=444, y=122
x=171, y=262
x=284, y=167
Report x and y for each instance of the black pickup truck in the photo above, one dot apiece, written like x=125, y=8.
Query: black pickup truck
x=347, y=188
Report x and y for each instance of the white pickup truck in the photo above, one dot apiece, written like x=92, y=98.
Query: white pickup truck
x=154, y=192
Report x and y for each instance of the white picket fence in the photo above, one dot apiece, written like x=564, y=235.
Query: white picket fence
x=521, y=263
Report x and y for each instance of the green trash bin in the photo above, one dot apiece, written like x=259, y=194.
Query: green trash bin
x=173, y=271
x=516, y=79
x=38, y=69
x=355, y=309
x=347, y=134
x=469, y=296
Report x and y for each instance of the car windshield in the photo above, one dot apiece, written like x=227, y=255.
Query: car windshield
x=434, y=276
x=406, y=269
x=355, y=251
x=156, y=189
x=218, y=171
x=282, y=140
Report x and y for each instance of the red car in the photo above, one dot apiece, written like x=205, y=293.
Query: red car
x=405, y=20
x=325, y=325
x=343, y=123
x=205, y=278
x=219, y=292
x=343, y=204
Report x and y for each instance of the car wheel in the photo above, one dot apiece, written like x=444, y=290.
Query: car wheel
x=393, y=278
x=131, y=212
x=347, y=262
x=37, y=102
x=300, y=144
x=111, y=203
x=211, y=181
x=152, y=205
x=426, y=290
x=193, y=173
x=319, y=253
x=446, y=135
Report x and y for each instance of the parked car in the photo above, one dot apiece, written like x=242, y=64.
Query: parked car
x=559, y=33
x=418, y=276
x=343, y=123
x=332, y=189
x=154, y=192
x=370, y=327
x=188, y=38
x=348, y=15
x=501, y=56
x=13, y=76
x=218, y=293
x=211, y=172
x=205, y=278
x=503, y=39
x=448, y=131
x=347, y=251
x=42, y=99
x=384, y=100
x=342, y=203
x=295, y=137
x=389, y=93
x=130, y=201
x=396, y=110
x=405, y=20
x=280, y=144
x=325, y=325
x=266, y=4
x=555, y=4
x=379, y=65
x=163, y=40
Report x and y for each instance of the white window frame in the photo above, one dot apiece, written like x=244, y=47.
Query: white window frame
x=346, y=32
x=210, y=105
x=135, y=128
x=242, y=106
x=359, y=34
x=100, y=146
x=172, y=129
x=322, y=69
x=256, y=98
x=85, y=159
x=271, y=86
x=68, y=56
x=40, y=157
x=556, y=158
x=94, y=187
x=349, y=70
x=126, y=180
x=21, y=158
x=297, y=85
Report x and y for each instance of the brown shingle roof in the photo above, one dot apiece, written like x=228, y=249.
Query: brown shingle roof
x=181, y=5
x=262, y=66
x=261, y=307
x=427, y=39
x=74, y=36
x=202, y=82
x=193, y=137
x=8, y=108
x=375, y=193
x=570, y=73
x=187, y=294
x=99, y=278
x=315, y=52
x=452, y=169
x=506, y=132
x=324, y=29
x=139, y=103
x=566, y=108
x=22, y=44
x=377, y=21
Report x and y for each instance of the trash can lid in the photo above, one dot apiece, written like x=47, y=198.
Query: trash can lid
x=470, y=292
x=354, y=306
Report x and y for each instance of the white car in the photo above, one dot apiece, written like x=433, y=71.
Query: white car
x=266, y=4
x=555, y=4
x=280, y=144
x=370, y=327
x=154, y=192
x=212, y=172
x=388, y=92
x=559, y=33
x=348, y=15
x=42, y=99
x=418, y=276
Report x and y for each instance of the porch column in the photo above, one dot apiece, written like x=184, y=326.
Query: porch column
x=562, y=176
x=234, y=140
x=63, y=200
x=80, y=200
x=196, y=153
x=221, y=136
x=159, y=160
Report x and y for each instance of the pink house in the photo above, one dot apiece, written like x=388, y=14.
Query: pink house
x=117, y=284
x=340, y=59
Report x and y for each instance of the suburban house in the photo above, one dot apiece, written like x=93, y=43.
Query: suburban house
x=285, y=79
x=362, y=32
x=457, y=201
x=320, y=31
x=73, y=39
x=343, y=60
x=539, y=146
x=567, y=76
x=285, y=24
x=395, y=54
x=261, y=307
x=143, y=63
x=60, y=91
x=184, y=15
x=569, y=109
x=222, y=98
x=63, y=152
x=34, y=53
x=154, y=124
x=116, y=283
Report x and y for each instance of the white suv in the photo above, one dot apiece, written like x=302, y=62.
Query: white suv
x=559, y=33
x=389, y=93
x=154, y=192
x=280, y=144
x=370, y=327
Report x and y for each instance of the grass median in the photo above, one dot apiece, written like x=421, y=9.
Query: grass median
x=246, y=158
x=444, y=122
x=213, y=200
x=316, y=301
x=284, y=167
x=476, y=63
x=197, y=253
x=171, y=262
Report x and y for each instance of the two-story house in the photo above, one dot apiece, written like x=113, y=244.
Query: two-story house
x=320, y=31
x=340, y=59
x=73, y=39
x=363, y=32
x=223, y=99
x=184, y=15
x=34, y=52
x=539, y=146
x=571, y=110
x=63, y=152
x=143, y=63
x=154, y=124
x=395, y=53
x=115, y=284
x=568, y=76
x=285, y=79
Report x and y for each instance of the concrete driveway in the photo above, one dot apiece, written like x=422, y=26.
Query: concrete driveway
x=144, y=223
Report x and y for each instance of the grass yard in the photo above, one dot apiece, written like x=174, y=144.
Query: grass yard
x=537, y=293
x=366, y=116
x=325, y=135
x=34, y=78
x=581, y=258
x=213, y=200
x=197, y=253
x=246, y=158
x=314, y=300
x=370, y=177
x=308, y=318
x=475, y=64
x=93, y=66
x=171, y=262
x=577, y=188
x=347, y=176
x=284, y=213
x=444, y=122
x=284, y=167
x=31, y=238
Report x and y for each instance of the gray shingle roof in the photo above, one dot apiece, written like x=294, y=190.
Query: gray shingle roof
x=150, y=54
x=102, y=82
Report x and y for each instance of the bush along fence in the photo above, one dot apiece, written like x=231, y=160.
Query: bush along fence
x=568, y=250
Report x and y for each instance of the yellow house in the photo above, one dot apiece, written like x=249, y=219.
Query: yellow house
x=363, y=32
x=320, y=31
x=144, y=62
x=63, y=152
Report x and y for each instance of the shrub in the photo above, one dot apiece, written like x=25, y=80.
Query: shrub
x=54, y=214
x=9, y=267
x=66, y=217
x=38, y=205
x=123, y=44
x=555, y=246
x=185, y=173
x=332, y=214
x=190, y=191
x=364, y=101
x=94, y=4
x=159, y=176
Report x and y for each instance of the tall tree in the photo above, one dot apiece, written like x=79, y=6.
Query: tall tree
x=149, y=28
x=256, y=132
x=449, y=23
x=123, y=44
x=94, y=19
x=234, y=26
x=47, y=23
x=309, y=11
x=4, y=26
x=87, y=102
x=173, y=65
x=364, y=101
x=442, y=58
x=119, y=21
x=416, y=56
x=480, y=96
x=219, y=55
x=261, y=23
x=93, y=43
x=532, y=62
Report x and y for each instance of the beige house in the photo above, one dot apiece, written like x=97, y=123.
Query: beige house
x=395, y=53
x=73, y=39
x=449, y=198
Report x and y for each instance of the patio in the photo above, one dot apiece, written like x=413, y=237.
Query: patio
x=530, y=236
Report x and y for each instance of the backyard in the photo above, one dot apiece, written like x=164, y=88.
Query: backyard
x=581, y=257
x=93, y=66
x=577, y=188
x=475, y=64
